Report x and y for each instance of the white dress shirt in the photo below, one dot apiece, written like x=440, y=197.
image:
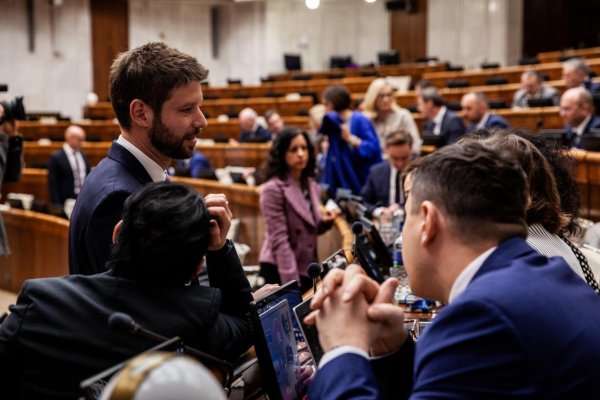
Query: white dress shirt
x=77, y=164
x=437, y=120
x=156, y=172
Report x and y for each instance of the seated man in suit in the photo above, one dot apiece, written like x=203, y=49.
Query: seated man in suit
x=577, y=113
x=275, y=122
x=68, y=167
x=250, y=130
x=516, y=324
x=533, y=87
x=476, y=113
x=160, y=120
x=383, y=193
x=57, y=334
x=438, y=119
x=577, y=73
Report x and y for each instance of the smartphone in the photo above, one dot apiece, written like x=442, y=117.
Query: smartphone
x=311, y=335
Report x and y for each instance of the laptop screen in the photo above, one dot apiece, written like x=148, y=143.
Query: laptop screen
x=280, y=346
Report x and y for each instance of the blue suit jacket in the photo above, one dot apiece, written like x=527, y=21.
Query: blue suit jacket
x=61, y=183
x=525, y=327
x=494, y=121
x=571, y=138
x=258, y=136
x=453, y=127
x=376, y=192
x=99, y=207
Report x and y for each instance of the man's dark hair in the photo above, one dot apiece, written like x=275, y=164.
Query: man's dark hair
x=431, y=94
x=276, y=164
x=163, y=237
x=150, y=73
x=338, y=96
x=482, y=190
x=269, y=113
x=544, y=206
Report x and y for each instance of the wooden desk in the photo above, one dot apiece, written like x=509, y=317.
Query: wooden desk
x=214, y=108
x=532, y=119
x=36, y=155
x=512, y=73
x=552, y=56
x=39, y=247
x=588, y=180
x=95, y=130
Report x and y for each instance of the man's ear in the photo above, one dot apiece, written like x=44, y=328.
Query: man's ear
x=430, y=222
x=116, y=231
x=141, y=114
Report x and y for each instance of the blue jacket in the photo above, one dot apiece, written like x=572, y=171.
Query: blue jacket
x=348, y=167
x=526, y=327
x=257, y=136
x=494, y=121
x=376, y=192
x=99, y=207
x=572, y=139
x=453, y=127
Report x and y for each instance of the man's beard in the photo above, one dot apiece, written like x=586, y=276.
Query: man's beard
x=165, y=141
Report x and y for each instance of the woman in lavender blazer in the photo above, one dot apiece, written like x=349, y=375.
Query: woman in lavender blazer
x=289, y=201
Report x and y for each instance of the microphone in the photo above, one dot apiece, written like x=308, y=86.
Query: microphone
x=357, y=228
x=125, y=323
x=314, y=271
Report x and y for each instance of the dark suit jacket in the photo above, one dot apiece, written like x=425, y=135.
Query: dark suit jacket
x=60, y=177
x=291, y=227
x=57, y=334
x=572, y=139
x=99, y=207
x=376, y=192
x=494, y=121
x=259, y=135
x=453, y=127
x=525, y=327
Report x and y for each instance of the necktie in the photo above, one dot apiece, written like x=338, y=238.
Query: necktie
x=78, y=182
x=398, y=195
x=587, y=271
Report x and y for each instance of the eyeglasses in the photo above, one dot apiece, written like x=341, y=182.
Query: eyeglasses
x=382, y=95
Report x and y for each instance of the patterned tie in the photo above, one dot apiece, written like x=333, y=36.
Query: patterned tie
x=398, y=195
x=167, y=177
x=587, y=271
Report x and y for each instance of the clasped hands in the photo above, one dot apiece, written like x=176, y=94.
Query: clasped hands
x=352, y=309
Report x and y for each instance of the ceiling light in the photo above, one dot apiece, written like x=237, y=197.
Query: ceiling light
x=312, y=4
x=370, y=1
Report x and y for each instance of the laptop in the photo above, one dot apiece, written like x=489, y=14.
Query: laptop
x=280, y=346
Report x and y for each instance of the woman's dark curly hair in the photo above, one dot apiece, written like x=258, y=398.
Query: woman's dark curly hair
x=276, y=164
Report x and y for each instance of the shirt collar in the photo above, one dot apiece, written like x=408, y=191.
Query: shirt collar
x=483, y=121
x=440, y=116
x=156, y=172
x=581, y=127
x=68, y=149
x=467, y=274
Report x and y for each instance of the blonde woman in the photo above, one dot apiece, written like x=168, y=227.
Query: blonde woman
x=387, y=116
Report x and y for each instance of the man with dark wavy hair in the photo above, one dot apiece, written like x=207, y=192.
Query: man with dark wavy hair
x=57, y=334
x=156, y=95
x=516, y=324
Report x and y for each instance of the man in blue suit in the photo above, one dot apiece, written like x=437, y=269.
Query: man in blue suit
x=156, y=95
x=383, y=193
x=250, y=130
x=516, y=324
x=438, y=119
x=577, y=112
x=476, y=111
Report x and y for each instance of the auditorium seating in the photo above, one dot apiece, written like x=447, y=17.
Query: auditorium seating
x=512, y=73
x=552, y=56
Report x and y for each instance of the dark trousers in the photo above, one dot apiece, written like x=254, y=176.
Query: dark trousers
x=269, y=272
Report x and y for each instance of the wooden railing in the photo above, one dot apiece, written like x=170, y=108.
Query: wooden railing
x=552, y=56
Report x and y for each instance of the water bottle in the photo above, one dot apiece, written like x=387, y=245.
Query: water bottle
x=397, y=223
x=398, y=271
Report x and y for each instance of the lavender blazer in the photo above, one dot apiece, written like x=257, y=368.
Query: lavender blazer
x=291, y=227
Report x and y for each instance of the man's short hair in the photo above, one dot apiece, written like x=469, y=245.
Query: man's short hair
x=270, y=113
x=483, y=191
x=532, y=73
x=163, y=237
x=338, y=96
x=398, y=138
x=584, y=97
x=150, y=73
x=576, y=64
x=431, y=94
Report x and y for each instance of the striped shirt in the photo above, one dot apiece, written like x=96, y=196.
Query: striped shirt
x=551, y=245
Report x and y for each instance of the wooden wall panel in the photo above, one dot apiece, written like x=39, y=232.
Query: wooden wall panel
x=408, y=32
x=109, y=38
